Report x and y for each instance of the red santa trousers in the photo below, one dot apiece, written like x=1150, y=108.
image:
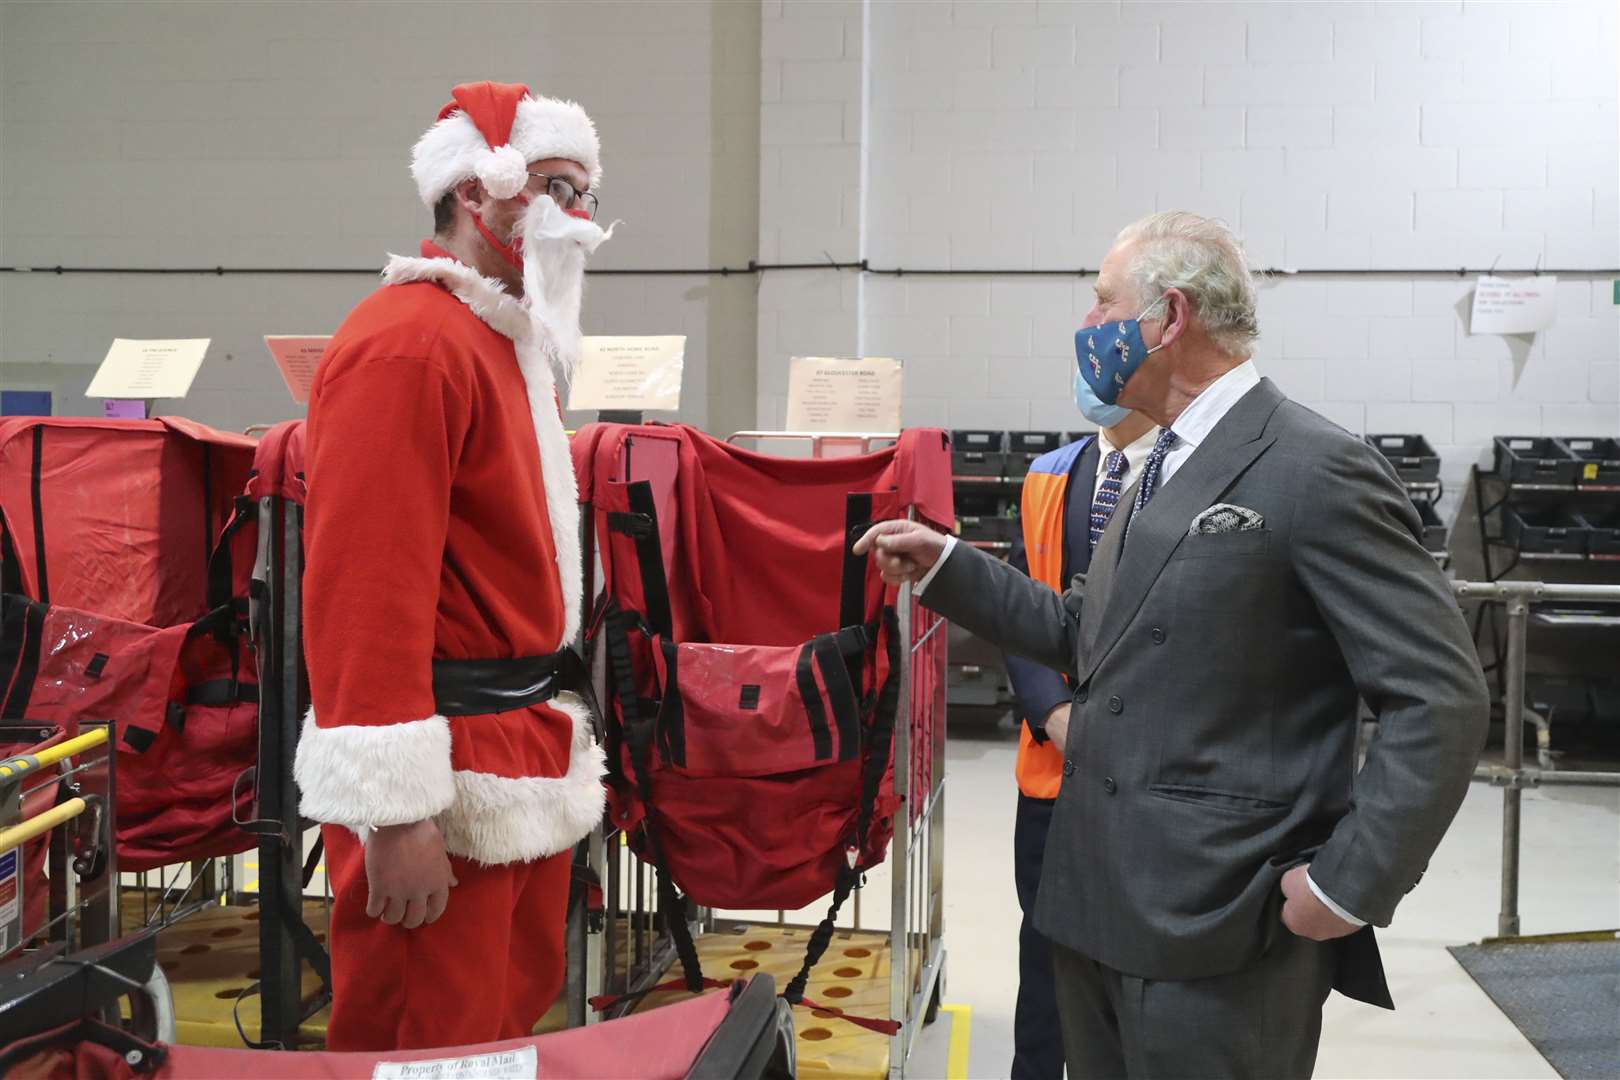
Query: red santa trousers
x=487, y=970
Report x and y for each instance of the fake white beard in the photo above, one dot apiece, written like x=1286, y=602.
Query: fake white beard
x=555, y=247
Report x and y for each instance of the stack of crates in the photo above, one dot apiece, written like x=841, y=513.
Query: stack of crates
x=1418, y=467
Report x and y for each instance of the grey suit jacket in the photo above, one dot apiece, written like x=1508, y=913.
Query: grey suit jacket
x=1215, y=708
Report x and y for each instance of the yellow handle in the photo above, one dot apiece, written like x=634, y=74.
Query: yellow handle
x=24, y=763
x=18, y=835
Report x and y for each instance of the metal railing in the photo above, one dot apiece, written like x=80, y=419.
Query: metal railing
x=1512, y=776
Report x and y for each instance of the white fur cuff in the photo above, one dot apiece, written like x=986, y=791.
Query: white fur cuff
x=501, y=819
x=365, y=776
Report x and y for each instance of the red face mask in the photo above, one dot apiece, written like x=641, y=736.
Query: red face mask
x=511, y=250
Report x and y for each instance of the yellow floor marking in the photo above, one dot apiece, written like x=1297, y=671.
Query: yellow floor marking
x=956, y=1061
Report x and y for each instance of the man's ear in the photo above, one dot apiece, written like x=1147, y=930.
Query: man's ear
x=470, y=195
x=1177, y=316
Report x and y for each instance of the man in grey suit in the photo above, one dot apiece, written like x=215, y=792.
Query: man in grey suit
x=1211, y=868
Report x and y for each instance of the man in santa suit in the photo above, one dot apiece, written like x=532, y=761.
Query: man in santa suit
x=447, y=757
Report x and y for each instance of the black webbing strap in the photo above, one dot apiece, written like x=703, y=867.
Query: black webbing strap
x=222, y=692
x=672, y=711
x=641, y=525
x=22, y=632
x=219, y=559
x=810, y=693
x=873, y=766
x=841, y=695
x=852, y=590
x=639, y=723
x=10, y=566
x=37, y=501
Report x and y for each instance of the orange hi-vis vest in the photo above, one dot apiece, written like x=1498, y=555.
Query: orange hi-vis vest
x=1040, y=765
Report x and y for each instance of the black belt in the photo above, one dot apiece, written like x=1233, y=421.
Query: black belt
x=482, y=687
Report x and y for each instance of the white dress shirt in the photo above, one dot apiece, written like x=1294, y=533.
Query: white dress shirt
x=1136, y=455
x=1209, y=408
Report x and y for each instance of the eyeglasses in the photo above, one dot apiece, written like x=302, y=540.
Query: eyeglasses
x=565, y=195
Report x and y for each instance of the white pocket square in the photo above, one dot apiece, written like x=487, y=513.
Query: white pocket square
x=1225, y=518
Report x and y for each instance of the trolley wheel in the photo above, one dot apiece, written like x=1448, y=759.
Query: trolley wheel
x=932, y=1012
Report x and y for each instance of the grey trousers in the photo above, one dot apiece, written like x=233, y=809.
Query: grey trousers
x=1262, y=1022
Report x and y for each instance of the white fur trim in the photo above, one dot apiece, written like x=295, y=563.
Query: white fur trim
x=503, y=172
x=557, y=472
x=490, y=301
x=452, y=149
x=487, y=297
x=501, y=819
x=366, y=775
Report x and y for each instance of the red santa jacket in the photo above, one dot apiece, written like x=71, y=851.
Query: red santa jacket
x=436, y=531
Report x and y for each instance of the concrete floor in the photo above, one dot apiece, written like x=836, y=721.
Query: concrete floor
x=1443, y=1026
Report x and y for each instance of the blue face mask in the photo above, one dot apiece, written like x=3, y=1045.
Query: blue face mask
x=1109, y=354
x=1085, y=398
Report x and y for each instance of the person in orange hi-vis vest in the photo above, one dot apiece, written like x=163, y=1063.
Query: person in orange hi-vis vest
x=447, y=753
x=1068, y=498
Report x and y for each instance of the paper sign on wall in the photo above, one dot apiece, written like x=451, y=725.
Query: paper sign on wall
x=1514, y=307
x=297, y=356
x=853, y=395
x=633, y=374
x=143, y=370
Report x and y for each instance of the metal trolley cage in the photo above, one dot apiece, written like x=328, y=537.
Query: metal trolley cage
x=42, y=967
x=275, y=619
x=634, y=950
x=1512, y=776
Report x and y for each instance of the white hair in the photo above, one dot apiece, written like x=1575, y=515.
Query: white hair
x=1204, y=259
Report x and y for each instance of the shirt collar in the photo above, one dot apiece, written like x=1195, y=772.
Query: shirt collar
x=1135, y=454
x=1199, y=418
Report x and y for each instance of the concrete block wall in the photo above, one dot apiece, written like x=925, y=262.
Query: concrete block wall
x=1341, y=136
x=269, y=134
x=1333, y=136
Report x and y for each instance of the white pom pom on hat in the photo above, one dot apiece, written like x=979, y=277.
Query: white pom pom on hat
x=492, y=131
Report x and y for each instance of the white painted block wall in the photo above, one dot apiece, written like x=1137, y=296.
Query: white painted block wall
x=245, y=133
x=1333, y=136
x=922, y=134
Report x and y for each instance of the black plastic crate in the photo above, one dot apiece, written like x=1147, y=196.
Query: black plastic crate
x=982, y=502
x=1550, y=531
x=1606, y=700
x=1534, y=460
x=1558, y=697
x=972, y=684
x=1598, y=459
x=1434, y=530
x=1023, y=447
x=995, y=530
x=978, y=453
x=1076, y=436
x=1414, y=459
x=1602, y=530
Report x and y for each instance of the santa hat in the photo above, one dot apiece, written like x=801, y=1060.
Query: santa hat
x=492, y=131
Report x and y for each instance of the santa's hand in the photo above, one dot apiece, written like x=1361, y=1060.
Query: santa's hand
x=903, y=550
x=408, y=875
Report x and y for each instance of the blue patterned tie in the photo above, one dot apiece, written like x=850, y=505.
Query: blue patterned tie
x=1102, y=507
x=1150, y=475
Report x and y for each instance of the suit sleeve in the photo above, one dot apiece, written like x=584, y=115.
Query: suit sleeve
x=385, y=434
x=1356, y=551
x=1039, y=689
x=985, y=596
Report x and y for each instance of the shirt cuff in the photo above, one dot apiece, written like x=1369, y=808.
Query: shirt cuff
x=1335, y=908
x=950, y=546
